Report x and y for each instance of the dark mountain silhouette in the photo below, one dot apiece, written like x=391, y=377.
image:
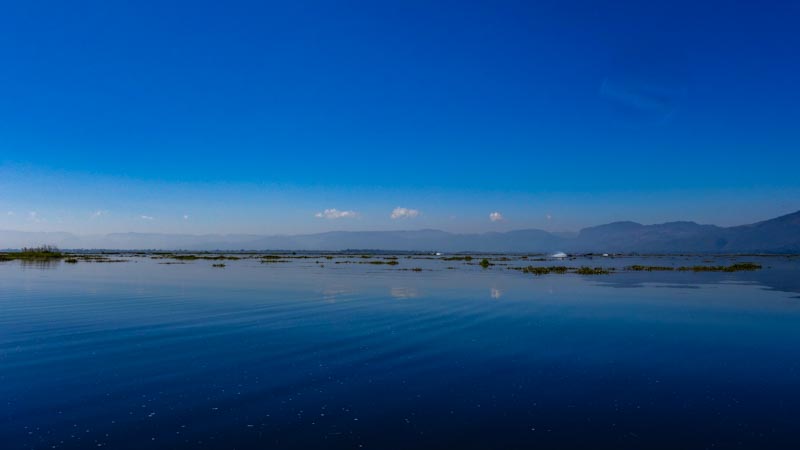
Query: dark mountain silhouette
x=634, y=237
x=779, y=235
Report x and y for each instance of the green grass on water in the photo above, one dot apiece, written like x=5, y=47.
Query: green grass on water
x=738, y=267
x=42, y=253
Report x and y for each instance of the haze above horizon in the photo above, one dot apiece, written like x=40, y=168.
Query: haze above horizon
x=290, y=118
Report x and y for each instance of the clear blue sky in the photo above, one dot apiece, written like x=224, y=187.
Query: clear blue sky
x=258, y=116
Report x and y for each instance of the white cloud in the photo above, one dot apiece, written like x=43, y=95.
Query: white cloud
x=11, y=213
x=185, y=217
x=404, y=213
x=496, y=217
x=33, y=216
x=548, y=217
x=334, y=213
x=143, y=217
x=98, y=213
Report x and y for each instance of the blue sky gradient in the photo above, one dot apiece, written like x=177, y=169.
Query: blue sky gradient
x=255, y=116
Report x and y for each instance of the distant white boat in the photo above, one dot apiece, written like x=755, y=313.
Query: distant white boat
x=559, y=255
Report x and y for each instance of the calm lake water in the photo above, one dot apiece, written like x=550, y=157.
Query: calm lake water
x=141, y=354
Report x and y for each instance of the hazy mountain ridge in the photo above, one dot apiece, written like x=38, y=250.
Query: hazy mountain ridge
x=779, y=235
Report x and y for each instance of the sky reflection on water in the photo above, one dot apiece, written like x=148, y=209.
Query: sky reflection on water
x=294, y=355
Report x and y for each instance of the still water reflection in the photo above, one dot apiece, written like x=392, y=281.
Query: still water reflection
x=294, y=355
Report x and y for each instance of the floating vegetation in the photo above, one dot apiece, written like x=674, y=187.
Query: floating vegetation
x=182, y=257
x=546, y=270
x=98, y=259
x=639, y=268
x=42, y=253
x=51, y=254
x=391, y=262
x=584, y=270
x=210, y=258
x=543, y=270
x=738, y=267
x=457, y=258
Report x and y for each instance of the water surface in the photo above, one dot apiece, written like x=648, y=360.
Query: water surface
x=314, y=354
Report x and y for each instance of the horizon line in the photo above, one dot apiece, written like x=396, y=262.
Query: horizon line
x=406, y=230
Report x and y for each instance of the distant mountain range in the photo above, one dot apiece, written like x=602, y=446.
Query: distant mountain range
x=779, y=235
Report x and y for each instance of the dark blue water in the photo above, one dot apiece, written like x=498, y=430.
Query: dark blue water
x=294, y=355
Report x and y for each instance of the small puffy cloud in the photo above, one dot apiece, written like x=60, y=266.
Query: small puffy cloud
x=404, y=213
x=33, y=216
x=98, y=213
x=143, y=217
x=185, y=217
x=11, y=213
x=496, y=217
x=548, y=217
x=333, y=213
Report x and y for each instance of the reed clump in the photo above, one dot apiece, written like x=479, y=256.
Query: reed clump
x=390, y=262
x=457, y=258
x=738, y=267
x=584, y=270
x=544, y=270
x=41, y=253
x=210, y=258
x=640, y=268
